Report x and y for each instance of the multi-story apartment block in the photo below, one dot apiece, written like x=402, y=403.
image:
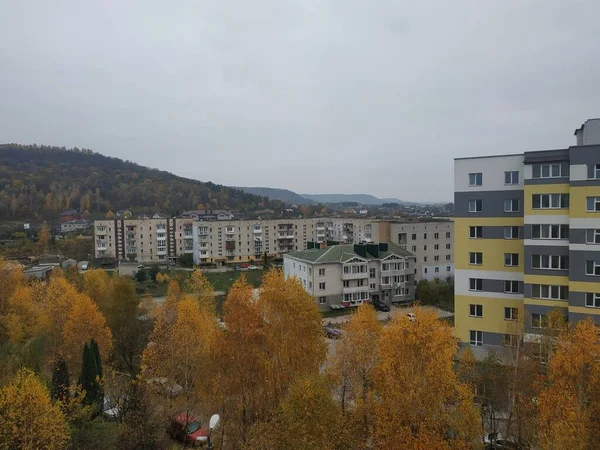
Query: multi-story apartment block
x=432, y=244
x=527, y=235
x=221, y=241
x=341, y=276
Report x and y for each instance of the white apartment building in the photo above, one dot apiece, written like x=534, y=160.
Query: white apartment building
x=432, y=244
x=342, y=276
x=221, y=241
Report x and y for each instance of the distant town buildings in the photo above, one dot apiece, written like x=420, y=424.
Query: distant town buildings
x=342, y=276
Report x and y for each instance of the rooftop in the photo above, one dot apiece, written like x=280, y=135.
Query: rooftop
x=341, y=253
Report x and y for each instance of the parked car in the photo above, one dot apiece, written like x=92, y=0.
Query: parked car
x=252, y=267
x=383, y=307
x=186, y=428
x=331, y=333
x=140, y=266
x=110, y=410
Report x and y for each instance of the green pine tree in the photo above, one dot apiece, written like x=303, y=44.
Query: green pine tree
x=89, y=379
x=96, y=350
x=60, y=381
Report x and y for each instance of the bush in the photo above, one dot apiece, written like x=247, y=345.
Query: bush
x=141, y=275
x=162, y=278
x=186, y=260
x=153, y=272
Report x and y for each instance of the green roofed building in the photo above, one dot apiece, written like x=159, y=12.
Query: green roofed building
x=343, y=276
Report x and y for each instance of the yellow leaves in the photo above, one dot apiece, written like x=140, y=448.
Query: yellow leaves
x=25, y=318
x=28, y=420
x=162, y=278
x=98, y=285
x=200, y=288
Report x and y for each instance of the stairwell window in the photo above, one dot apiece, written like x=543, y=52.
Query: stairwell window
x=475, y=179
x=593, y=204
x=592, y=268
x=511, y=232
x=475, y=206
x=550, y=201
x=592, y=300
x=511, y=205
x=475, y=232
x=511, y=177
x=476, y=258
x=476, y=338
x=321, y=286
x=511, y=287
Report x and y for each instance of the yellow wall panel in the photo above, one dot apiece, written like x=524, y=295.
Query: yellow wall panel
x=546, y=279
x=550, y=303
x=582, y=286
x=543, y=189
x=493, y=316
x=578, y=201
x=582, y=310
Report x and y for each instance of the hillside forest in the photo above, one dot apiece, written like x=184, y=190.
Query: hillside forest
x=39, y=182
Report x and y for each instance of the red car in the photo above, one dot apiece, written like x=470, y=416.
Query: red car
x=186, y=428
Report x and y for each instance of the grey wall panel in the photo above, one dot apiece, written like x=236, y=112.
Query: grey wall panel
x=527, y=290
x=493, y=339
x=546, y=156
x=544, y=250
x=578, y=183
x=577, y=236
x=497, y=286
x=537, y=309
x=538, y=181
x=493, y=203
x=577, y=261
x=493, y=232
x=576, y=317
x=578, y=298
x=590, y=154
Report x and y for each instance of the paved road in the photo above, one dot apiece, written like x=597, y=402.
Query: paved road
x=382, y=316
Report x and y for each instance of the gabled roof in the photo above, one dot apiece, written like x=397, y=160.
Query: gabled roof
x=342, y=253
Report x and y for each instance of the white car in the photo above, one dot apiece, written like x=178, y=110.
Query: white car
x=252, y=267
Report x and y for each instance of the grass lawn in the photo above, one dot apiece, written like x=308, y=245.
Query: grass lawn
x=223, y=281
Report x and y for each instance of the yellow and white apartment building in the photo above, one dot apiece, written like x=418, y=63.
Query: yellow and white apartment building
x=527, y=240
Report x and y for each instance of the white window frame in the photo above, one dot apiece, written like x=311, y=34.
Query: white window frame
x=513, y=313
x=473, y=204
x=554, y=201
x=512, y=262
x=592, y=300
x=511, y=287
x=448, y=235
x=448, y=257
x=550, y=291
x=509, y=232
x=595, y=266
x=476, y=338
x=594, y=170
x=563, y=260
x=550, y=169
x=546, y=231
x=473, y=256
x=541, y=318
x=475, y=179
x=511, y=205
x=475, y=310
x=511, y=340
x=322, y=286
x=595, y=202
x=511, y=177
x=322, y=300
x=475, y=232
x=475, y=284
x=595, y=234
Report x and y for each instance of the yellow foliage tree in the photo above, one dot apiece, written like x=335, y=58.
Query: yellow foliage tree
x=98, y=285
x=162, y=278
x=109, y=215
x=25, y=318
x=569, y=404
x=44, y=236
x=28, y=419
x=200, y=288
x=420, y=399
x=11, y=277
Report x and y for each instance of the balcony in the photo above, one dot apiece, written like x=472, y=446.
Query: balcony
x=188, y=250
x=101, y=245
x=130, y=237
x=229, y=230
x=130, y=250
x=320, y=228
x=257, y=230
x=203, y=253
x=162, y=251
x=188, y=235
x=351, y=290
x=161, y=237
x=202, y=231
x=100, y=231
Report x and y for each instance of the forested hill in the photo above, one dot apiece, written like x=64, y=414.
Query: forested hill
x=40, y=182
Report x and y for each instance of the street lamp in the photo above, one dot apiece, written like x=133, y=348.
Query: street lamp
x=212, y=424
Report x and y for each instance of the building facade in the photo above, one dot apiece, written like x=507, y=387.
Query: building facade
x=432, y=244
x=222, y=241
x=342, y=276
x=525, y=237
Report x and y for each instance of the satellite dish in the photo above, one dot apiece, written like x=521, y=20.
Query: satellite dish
x=214, y=421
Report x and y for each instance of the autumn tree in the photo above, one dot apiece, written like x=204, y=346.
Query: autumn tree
x=352, y=367
x=90, y=378
x=28, y=419
x=98, y=286
x=44, y=236
x=420, y=400
x=60, y=381
x=198, y=286
x=11, y=277
x=569, y=403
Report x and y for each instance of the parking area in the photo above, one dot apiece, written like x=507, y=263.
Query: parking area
x=383, y=316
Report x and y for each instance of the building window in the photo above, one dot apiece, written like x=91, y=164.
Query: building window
x=372, y=286
x=414, y=236
x=476, y=258
x=448, y=268
x=447, y=235
x=310, y=284
x=310, y=271
x=592, y=236
x=424, y=248
x=550, y=201
x=511, y=340
x=436, y=258
x=554, y=262
x=539, y=321
x=592, y=300
x=321, y=286
x=436, y=235
x=593, y=171
x=425, y=270
x=436, y=270
x=322, y=300
x=550, y=171
x=476, y=310
x=414, y=248
x=475, y=284
x=447, y=257
x=321, y=272
x=511, y=232
x=448, y=246
x=424, y=258
x=436, y=247
x=511, y=259
x=551, y=292
x=346, y=283
x=424, y=235
x=593, y=204
x=511, y=205
x=372, y=273
x=476, y=337
x=511, y=287
x=511, y=177
x=475, y=206
x=510, y=313
x=475, y=179
x=592, y=268
x=550, y=232
x=475, y=232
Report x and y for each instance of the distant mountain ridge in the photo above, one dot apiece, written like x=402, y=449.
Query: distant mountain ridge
x=363, y=199
x=283, y=195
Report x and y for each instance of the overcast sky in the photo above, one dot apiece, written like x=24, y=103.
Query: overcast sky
x=316, y=96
